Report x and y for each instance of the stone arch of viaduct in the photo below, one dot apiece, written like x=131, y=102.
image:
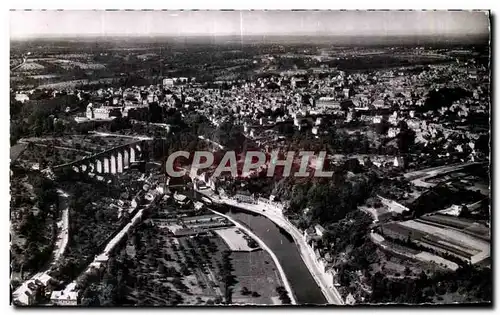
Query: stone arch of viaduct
x=112, y=161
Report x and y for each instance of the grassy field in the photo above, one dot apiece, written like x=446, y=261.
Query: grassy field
x=257, y=272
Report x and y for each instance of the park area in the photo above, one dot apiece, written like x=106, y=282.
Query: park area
x=237, y=240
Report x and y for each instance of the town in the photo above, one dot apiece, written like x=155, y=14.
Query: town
x=157, y=173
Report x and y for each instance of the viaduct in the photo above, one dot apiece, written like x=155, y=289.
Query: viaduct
x=111, y=161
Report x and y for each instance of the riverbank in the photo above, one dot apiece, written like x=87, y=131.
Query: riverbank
x=266, y=248
x=276, y=216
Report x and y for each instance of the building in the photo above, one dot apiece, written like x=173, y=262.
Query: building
x=152, y=195
x=245, y=198
x=179, y=230
x=26, y=293
x=379, y=104
x=393, y=132
x=346, y=93
x=299, y=83
x=26, y=297
x=350, y=300
x=454, y=210
x=22, y=98
x=103, y=112
x=399, y=162
x=181, y=199
x=328, y=103
x=309, y=234
x=168, y=82
x=393, y=206
x=377, y=119
x=64, y=298
x=320, y=231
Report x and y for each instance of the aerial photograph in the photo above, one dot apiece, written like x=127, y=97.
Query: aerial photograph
x=260, y=158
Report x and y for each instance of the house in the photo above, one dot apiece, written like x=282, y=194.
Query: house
x=152, y=195
x=64, y=297
x=320, y=231
x=379, y=104
x=24, y=297
x=393, y=132
x=168, y=82
x=350, y=300
x=26, y=293
x=22, y=98
x=328, y=103
x=399, y=162
x=245, y=198
x=181, y=199
x=309, y=234
x=393, y=206
x=179, y=230
x=102, y=258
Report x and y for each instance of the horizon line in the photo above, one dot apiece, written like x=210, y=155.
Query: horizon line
x=159, y=35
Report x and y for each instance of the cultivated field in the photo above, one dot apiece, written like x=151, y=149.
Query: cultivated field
x=255, y=271
x=30, y=66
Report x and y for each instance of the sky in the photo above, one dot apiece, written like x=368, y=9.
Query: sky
x=29, y=24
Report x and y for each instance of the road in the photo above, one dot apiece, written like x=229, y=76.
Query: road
x=267, y=249
x=105, y=134
x=19, y=65
x=103, y=257
x=63, y=224
x=433, y=171
x=418, y=177
x=329, y=291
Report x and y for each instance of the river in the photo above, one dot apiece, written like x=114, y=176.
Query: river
x=305, y=288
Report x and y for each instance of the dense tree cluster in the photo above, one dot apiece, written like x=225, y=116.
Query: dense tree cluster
x=229, y=280
x=37, y=225
x=443, y=98
x=39, y=116
x=328, y=200
x=441, y=197
x=91, y=223
x=471, y=283
x=283, y=295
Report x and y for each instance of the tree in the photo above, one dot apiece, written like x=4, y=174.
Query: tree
x=244, y=291
x=407, y=271
x=90, y=296
x=283, y=295
x=161, y=269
